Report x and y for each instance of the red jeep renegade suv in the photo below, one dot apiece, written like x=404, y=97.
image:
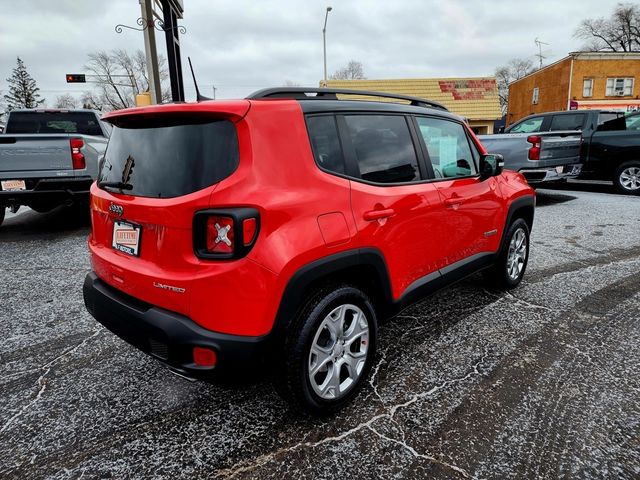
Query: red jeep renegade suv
x=279, y=229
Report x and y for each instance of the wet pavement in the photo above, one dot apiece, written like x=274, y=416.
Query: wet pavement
x=541, y=382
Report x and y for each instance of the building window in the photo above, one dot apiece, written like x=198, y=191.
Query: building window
x=587, y=87
x=619, y=87
x=536, y=96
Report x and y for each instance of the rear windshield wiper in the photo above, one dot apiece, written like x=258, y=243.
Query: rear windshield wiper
x=118, y=185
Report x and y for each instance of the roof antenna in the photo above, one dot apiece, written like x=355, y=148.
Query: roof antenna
x=199, y=98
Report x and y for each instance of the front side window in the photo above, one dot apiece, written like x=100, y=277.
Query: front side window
x=570, y=121
x=587, y=87
x=448, y=148
x=619, y=86
x=325, y=142
x=383, y=148
x=528, y=126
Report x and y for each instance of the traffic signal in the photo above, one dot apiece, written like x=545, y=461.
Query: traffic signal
x=76, y=78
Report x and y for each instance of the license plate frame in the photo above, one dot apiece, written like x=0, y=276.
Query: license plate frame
x=126, y=237
x=13, y=185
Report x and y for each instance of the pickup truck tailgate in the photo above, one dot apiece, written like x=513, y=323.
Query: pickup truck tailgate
x=26, y=152
x=556, y=148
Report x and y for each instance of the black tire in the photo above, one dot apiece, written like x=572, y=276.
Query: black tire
x=498, y=275
x=619, y=179
x=2, y=213
x=292, y=379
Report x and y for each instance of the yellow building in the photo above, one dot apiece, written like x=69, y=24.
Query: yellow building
x=476, y=99
x=582, y=80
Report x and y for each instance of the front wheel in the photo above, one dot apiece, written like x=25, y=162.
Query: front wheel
x=627, y=178
x=328, y=351
x=512, y=260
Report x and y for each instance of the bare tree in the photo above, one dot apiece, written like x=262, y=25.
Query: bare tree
x=120, y=76
x=66, y=101
x=619, y=33
x=354, y=70
x=515, y=69
x=291, y=83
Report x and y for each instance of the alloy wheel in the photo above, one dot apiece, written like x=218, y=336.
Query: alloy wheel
x=630, y=178
x=517, y=254
x=338, y=352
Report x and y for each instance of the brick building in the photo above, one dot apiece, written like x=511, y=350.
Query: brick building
x=476, y=99
x=582, y=80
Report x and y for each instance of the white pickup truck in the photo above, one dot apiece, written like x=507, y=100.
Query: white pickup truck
x=49, y=157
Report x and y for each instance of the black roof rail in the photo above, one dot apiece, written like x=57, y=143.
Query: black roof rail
x=301, y=93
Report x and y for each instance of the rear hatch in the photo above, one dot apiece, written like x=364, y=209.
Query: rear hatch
x=158, y=170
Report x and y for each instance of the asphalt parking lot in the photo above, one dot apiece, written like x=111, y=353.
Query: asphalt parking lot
x=542, y=382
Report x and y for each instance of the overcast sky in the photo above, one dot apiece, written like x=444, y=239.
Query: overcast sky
x=241, y=46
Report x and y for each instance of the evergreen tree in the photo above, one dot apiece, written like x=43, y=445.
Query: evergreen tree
x=23, y=92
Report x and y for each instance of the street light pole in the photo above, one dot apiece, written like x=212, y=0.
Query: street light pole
x=324, y=43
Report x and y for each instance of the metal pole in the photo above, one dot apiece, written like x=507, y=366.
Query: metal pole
x=146, y=6
x=324, y=43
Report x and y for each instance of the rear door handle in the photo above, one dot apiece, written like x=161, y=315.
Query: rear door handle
x=378, y=214
x=453, y=202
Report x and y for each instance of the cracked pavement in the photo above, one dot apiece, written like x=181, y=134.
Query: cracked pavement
x=540, y=382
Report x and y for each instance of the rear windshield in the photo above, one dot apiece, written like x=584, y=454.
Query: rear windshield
x=171, y=158
x=84, y=123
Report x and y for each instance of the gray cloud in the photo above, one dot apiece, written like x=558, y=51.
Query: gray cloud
x=243, y=45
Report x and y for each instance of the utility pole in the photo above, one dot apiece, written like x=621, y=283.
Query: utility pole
x=214, y=91
x=146, y=6
x=324, y=43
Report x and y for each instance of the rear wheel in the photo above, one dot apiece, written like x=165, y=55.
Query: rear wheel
x=512, y=260
x=627, y=178
x=329, y=350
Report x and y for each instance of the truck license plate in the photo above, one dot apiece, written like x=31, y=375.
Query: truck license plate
x=13, y=185
x=126, y=238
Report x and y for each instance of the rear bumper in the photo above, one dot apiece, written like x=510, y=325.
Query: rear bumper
x=47, y=190
x=551, y=174
x=168, y=336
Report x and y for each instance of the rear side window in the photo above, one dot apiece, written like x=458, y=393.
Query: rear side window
x=170, y=158
x=325, y=142
x=384, y=151
x=528, y=126
x=84, y=123
x=572, y=121
x=448, y=148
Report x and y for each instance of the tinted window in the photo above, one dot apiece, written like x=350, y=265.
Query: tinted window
x=448, y=147
x=572, y=121
x=633, y=122
x=170, y=160
x=84, y=123
x=325, y=142
x=383, y=148
x=532, y=125
x=607, y=117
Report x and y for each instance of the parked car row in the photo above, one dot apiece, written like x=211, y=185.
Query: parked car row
x=587, y=144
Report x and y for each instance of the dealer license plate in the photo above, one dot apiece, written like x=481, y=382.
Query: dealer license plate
x=126, y=237
x=13, y=185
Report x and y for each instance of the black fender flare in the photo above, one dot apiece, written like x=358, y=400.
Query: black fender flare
x=517, y=207
x=294, y=293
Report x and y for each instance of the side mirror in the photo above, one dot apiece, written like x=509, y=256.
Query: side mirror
x=490, y=165
x=501, y=130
